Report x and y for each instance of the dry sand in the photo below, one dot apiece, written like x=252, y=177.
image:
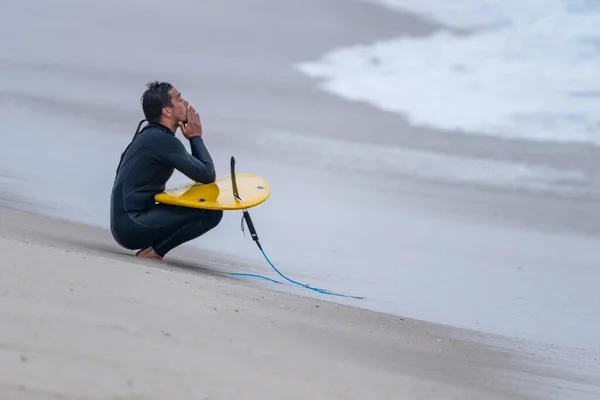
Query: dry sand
x=82, y=319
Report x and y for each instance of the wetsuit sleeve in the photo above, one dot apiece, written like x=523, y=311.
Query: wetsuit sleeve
x=197, y=166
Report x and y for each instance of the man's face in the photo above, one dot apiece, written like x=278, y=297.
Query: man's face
x=178, y=106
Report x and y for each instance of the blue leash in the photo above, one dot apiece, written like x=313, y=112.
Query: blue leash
x=255, y=238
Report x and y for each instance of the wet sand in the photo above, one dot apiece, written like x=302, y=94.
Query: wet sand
x=83, y=320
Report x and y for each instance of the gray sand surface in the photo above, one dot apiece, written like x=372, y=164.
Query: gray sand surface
x=82, y=320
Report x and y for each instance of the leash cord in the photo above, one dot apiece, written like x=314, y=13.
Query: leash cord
x=246, y=217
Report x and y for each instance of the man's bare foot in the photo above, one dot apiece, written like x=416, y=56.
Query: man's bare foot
x=148, y=253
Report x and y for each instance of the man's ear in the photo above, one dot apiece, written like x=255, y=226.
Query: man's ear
x=167, y=112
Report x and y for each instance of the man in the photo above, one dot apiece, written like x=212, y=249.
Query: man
x=136, y=220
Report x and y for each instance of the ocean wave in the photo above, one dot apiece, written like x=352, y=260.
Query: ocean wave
x=530, y=70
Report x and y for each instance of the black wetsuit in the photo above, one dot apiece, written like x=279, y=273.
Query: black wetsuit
x=136, y=220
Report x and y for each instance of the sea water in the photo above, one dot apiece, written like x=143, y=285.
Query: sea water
x=520, y=69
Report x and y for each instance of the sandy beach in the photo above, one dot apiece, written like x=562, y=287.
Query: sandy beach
x=477, y=256
x=82, y=320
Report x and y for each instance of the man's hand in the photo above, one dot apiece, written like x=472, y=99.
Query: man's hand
x=193, y=127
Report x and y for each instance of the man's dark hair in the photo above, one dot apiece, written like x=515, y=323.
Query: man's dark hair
x=154, y=99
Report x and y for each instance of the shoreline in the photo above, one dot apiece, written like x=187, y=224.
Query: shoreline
x=394, y=354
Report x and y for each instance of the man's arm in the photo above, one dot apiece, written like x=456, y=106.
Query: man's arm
x=197, y=166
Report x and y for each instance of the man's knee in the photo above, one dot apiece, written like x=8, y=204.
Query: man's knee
x=215, y=217
x=207, y=220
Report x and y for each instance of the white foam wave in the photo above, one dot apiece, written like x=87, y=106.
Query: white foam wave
x=533, y=72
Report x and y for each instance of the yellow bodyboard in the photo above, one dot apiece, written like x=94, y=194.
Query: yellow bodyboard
x=252, y=189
